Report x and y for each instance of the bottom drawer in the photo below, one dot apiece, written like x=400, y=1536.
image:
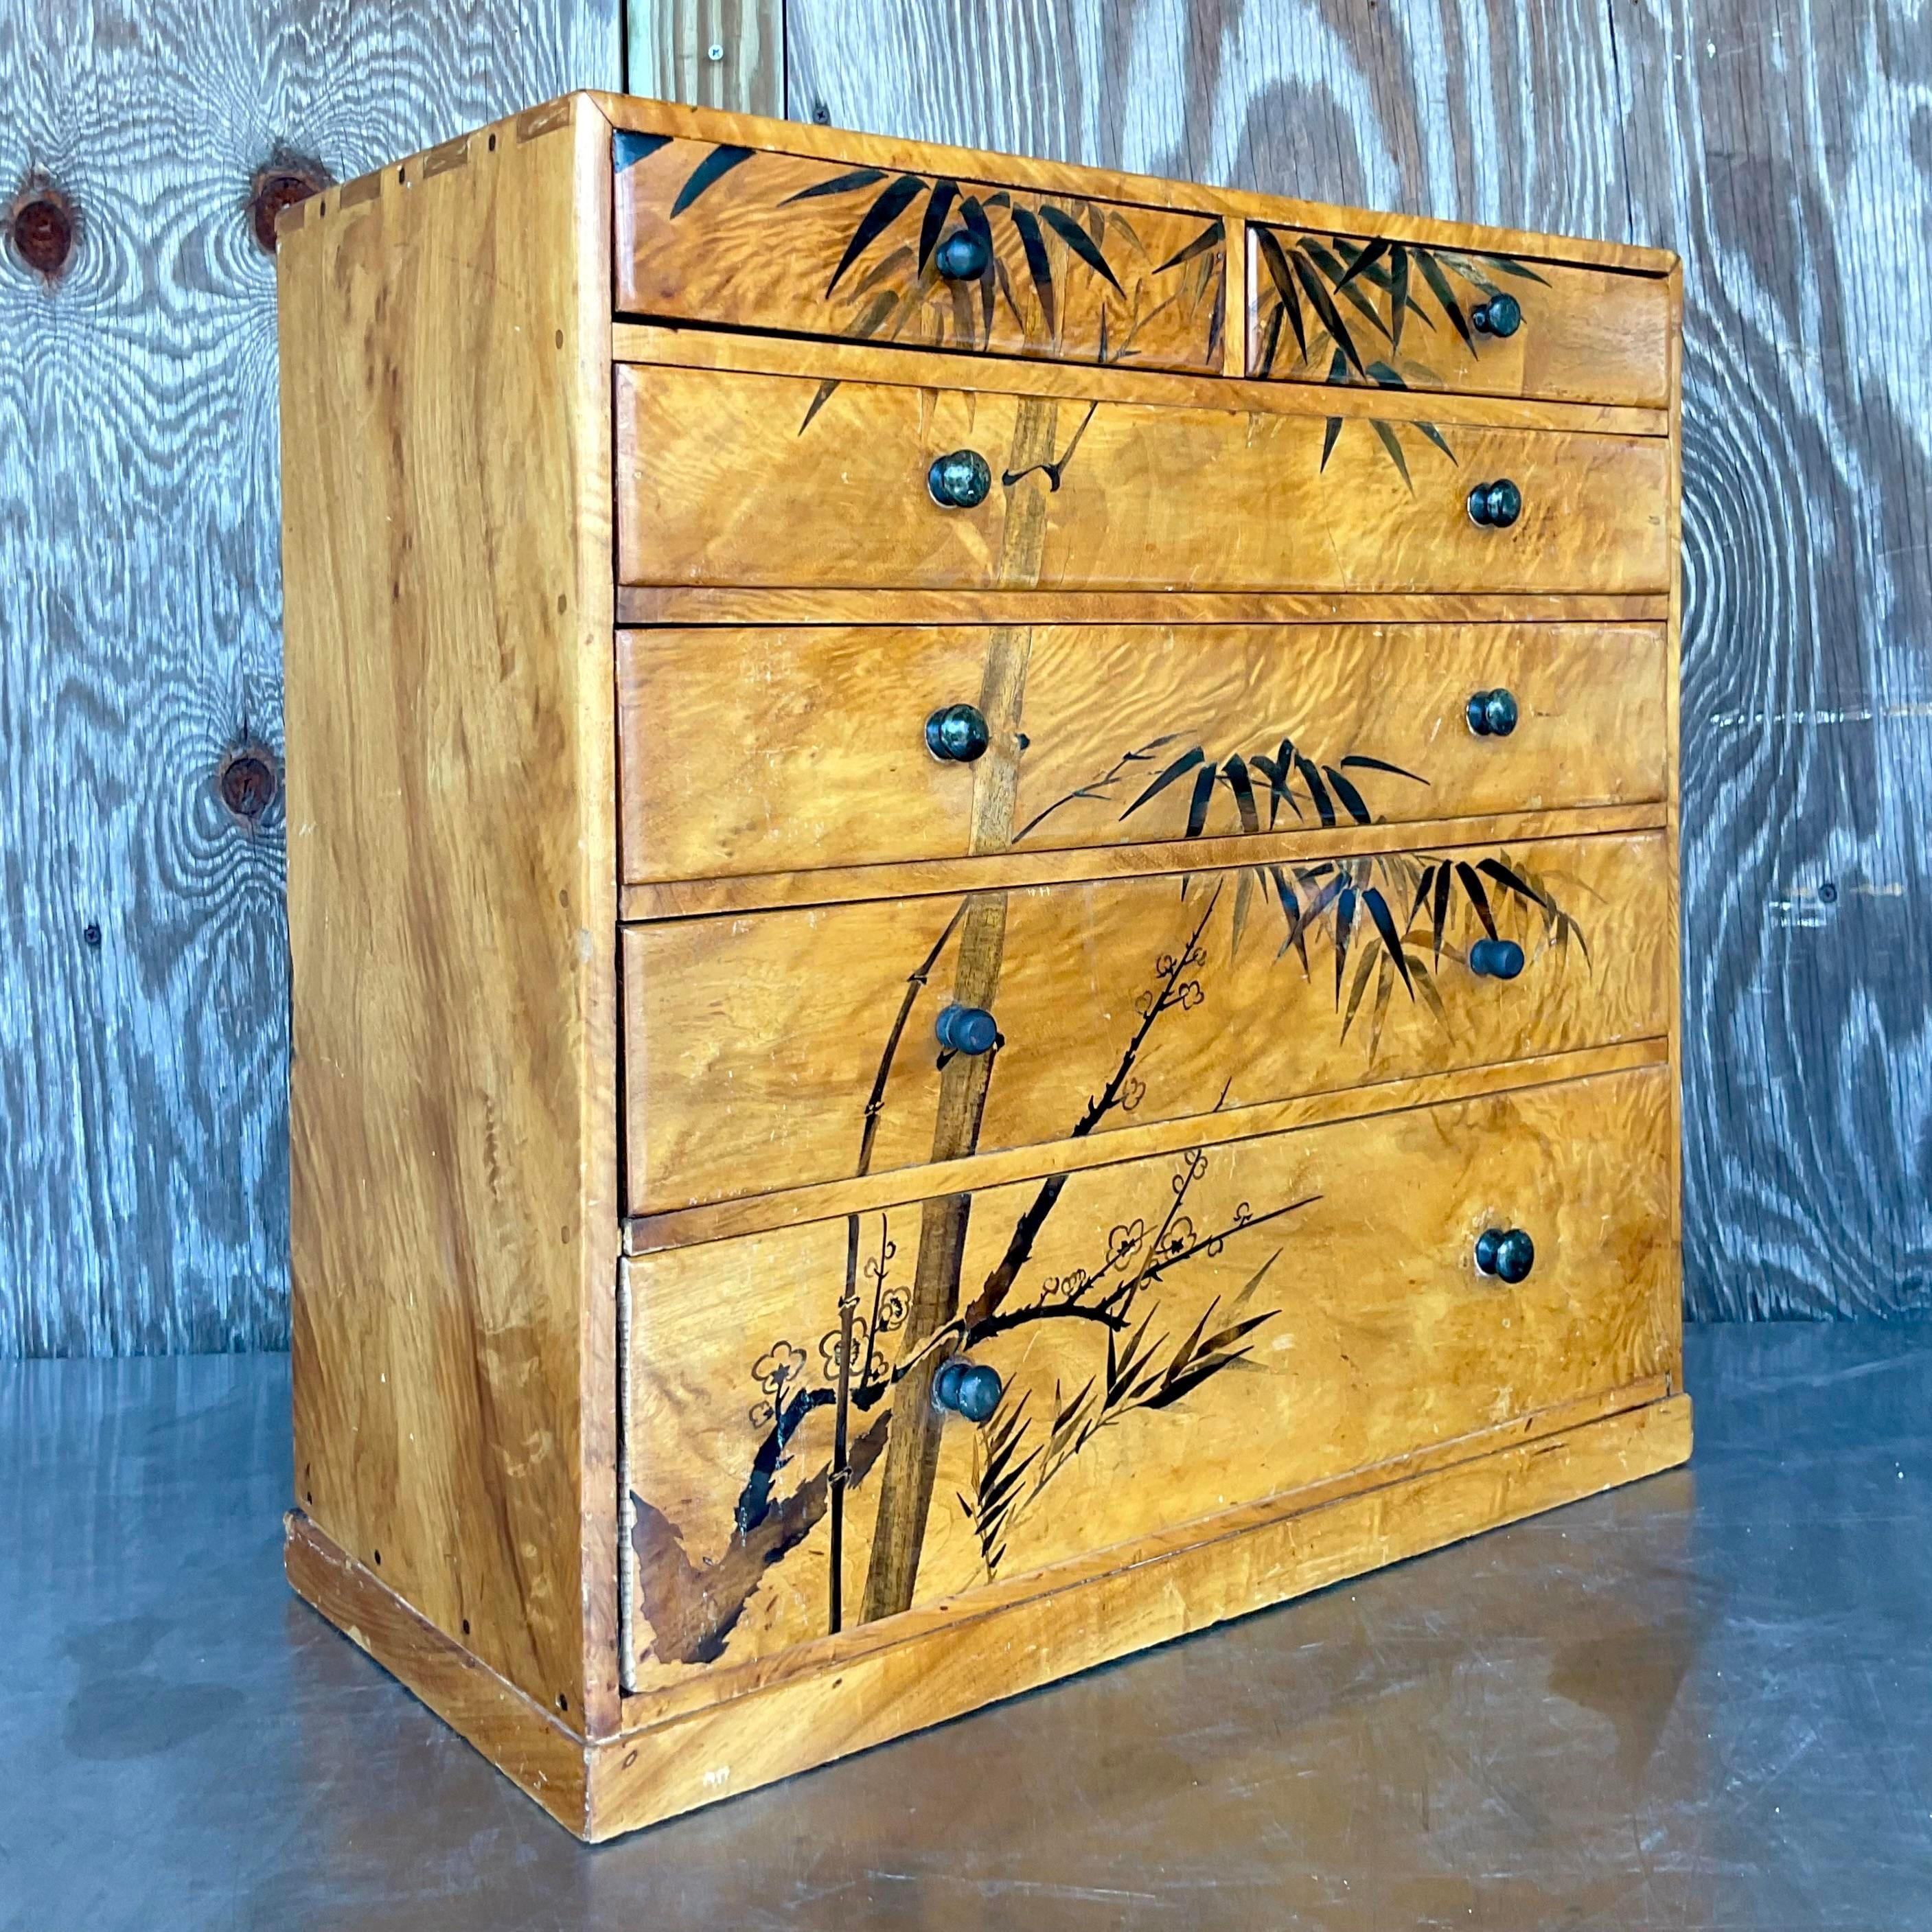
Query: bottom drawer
x=1167, y=1338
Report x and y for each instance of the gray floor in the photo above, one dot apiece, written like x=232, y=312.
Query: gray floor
x=1704, y=1702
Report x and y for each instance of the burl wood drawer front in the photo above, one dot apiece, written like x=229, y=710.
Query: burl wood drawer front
x=753, y=240
x=767, y=750
x=1337, y=308
x=754, y=1044
x=1167, y=1338
x=728, y=478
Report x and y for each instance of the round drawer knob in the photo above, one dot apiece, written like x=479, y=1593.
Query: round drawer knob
x=968, y=1029
x=1495, y=506
x=1495, y=959
x=1507, y=1253
x=970, y=1389
x=1501, y=315
x=962, y=256
x=959, y=482
x=956, y=734
x=1493, y=714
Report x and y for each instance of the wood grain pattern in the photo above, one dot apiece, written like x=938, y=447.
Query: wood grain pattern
x=1776, y=146
x=720, y=481
x=1585, y=334
x=826, y=358
x=814, y=741
x=750, y=1042
x=789, y=1208
x=926, y=878
x=525, y=1741
x=454, y=1133
x=669, y=53
x=1261, y=1316
x=1021, y=162
x=690, y=604
x=955, y=1665
x=775, y=240
x=143, y=1107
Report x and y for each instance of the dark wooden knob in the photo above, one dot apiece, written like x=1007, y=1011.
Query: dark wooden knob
x=1493, y=714
x=1501, y=315
x=1495, y=506
x=962, y=256
x=968, y=1030
x=959, y=482
x=1507, y=1253
x=1495, y=959
x=957, y=734
x=970, y=1389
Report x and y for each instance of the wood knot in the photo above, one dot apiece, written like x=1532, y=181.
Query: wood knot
x=248, y=782
x=284, y=180
x=42, y=225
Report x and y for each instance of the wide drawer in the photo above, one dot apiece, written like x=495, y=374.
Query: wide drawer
x=727, y=235
x=1343, y=309
x=725, y=477
x=1172, y=1337
x=760, y=751
x=778, y=1049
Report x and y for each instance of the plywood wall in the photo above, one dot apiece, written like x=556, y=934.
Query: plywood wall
x=143, y=956
x=1785, y=149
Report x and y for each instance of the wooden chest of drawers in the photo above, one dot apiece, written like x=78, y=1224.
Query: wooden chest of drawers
x=982, y=876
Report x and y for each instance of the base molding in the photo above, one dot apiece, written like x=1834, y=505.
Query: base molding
x=514, y=1732
x=601, y=1789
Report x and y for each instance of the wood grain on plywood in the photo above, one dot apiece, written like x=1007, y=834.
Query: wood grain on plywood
x=144, y=982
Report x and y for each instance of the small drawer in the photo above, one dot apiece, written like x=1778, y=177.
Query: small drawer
x=777, y=1049
x=738, y=237
x=1140, y=1348
x=728, y=478
x=1344, y=309
x=771, y=750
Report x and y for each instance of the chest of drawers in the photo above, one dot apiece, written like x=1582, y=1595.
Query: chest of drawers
x=983, y=874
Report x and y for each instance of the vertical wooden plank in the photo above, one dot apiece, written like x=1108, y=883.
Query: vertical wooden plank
x=451, y=892
x=143, y=975
x=1778, y=146
x=708, y=53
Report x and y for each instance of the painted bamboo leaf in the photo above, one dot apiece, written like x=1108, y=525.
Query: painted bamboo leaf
x=1390, y=441
x=938, y=204
x=1082, y=243
x=1210, y=238
x=847, y=184
x=1319, y=300
x=1276, y=259
x=890, y=204
x=1038, y=265
x=1438, y=282
x=708, y=173
x=627, y=148
x=1184, y=763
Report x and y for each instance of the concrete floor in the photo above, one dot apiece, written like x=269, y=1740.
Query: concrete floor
x=1703, y=1701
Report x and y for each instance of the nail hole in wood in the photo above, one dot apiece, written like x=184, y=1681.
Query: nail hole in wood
x=43, y=225
x=465, y=1626
x=90, y=935
x=492, y=144
x=562, y=1701
x=379, y=1559
x=282, y=181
